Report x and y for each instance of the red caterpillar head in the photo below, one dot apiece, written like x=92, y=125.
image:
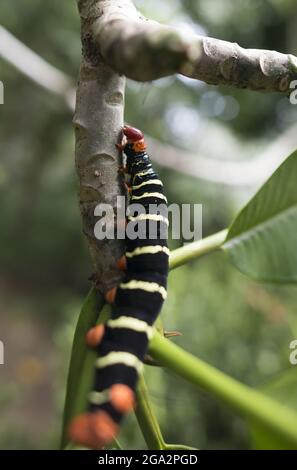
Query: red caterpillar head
x=134, y=136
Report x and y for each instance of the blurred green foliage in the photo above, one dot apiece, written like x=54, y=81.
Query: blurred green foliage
x=239, y=326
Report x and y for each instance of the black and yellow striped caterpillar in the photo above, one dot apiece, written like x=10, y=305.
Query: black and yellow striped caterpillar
x=136, y=303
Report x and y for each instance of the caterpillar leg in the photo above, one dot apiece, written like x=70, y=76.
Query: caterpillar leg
x=110, y=294
x=94, y=336
x=128, y=188
x=93, y=430
x=122, y=263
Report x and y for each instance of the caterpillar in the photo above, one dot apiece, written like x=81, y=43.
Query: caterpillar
x=122, y=342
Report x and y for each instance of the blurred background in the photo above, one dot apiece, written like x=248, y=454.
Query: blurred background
x=239, y=326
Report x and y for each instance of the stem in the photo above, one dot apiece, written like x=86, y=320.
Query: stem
x=115, y=445
x=146, y=418
x=196, y=249
x=145, y=415
x=267, y=412
x=178, y=447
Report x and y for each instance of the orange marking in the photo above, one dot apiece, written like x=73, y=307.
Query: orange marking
x=103, y=428
x=94, y=336
x=128, y=187
x=110, y=295
x=139, y=145
x=93, y=430
x=122, y=263
x=122, y=398
x=80, y=432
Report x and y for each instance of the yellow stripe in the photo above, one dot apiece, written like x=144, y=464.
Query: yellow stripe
x=146, y=286
x=98, y=398
x=147, y=250
x=156, y=217
x=132, y=324
x=146, y=172
x=158, y=195
x=148, y=182
x=119, y=357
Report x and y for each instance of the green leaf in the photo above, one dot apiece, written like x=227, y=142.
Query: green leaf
x=282, y=389
x=262, y=240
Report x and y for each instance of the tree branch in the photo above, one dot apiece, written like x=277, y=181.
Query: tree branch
x=248, y=172
x=98, y=119
x=145, y=50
